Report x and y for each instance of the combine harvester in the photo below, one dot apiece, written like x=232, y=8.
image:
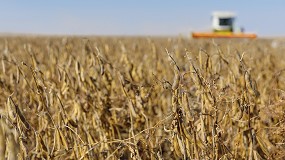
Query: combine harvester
x=223, y=27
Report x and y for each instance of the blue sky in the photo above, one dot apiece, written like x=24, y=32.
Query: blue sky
x=130, y=17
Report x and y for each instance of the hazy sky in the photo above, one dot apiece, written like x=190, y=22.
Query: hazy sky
x=133, y=17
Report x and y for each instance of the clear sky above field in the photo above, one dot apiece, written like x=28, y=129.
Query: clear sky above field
x=130, y=17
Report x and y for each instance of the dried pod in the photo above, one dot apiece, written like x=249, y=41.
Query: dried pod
x=176, y=80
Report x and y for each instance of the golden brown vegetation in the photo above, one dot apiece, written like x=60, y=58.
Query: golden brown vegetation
x=141, y=98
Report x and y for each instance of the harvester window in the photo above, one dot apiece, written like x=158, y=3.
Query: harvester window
x=225, y=21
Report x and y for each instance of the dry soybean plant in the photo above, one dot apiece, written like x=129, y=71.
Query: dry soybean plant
x=141, y=98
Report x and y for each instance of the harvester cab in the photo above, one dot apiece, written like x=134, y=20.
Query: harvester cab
x=223, y=26
x=223, y=21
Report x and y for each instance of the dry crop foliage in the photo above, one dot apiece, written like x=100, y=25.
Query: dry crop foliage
x=141, y=98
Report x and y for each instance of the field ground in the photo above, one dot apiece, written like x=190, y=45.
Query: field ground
x=141, y=98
